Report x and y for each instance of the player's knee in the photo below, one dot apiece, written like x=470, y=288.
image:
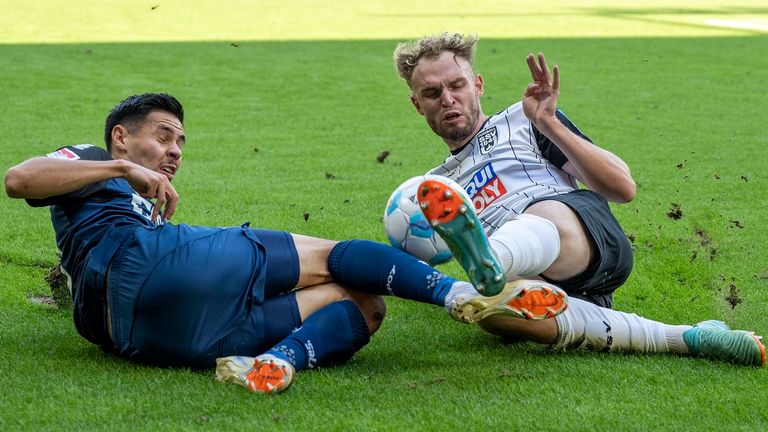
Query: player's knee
x=373, y=309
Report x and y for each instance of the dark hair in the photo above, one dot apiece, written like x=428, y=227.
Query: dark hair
x=133, y=110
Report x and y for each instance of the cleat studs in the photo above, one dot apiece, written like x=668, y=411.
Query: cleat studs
x=462, y=209
x=470, y=224
x=447, y=194
x=480, y=288
x=497, y=278
x=447, y=211
x=424, y=205
x=434, y=223
x=424, y=190
x=488, y=263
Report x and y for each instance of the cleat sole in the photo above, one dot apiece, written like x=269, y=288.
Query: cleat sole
x=449, y=213
x=758, y=340
x=526, y=299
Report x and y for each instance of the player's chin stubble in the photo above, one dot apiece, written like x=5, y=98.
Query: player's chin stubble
x=456, y=134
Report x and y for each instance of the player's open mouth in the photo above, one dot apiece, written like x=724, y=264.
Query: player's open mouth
x=168, y=170
x=451, y=116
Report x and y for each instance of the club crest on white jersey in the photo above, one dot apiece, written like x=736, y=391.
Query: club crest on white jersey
x=487, y=140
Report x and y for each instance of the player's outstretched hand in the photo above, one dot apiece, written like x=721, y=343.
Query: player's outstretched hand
x=540, y=98
x=151, y=184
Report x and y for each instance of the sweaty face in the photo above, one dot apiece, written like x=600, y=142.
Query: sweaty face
x=155, y=144
x=447, y=93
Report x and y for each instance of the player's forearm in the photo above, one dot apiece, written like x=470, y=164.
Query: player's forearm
x=599, y=169
x=43, y=177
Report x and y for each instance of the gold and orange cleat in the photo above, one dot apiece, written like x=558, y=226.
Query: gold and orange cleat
x=526, y=299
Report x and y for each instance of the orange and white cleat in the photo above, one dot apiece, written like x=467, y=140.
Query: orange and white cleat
x=263, y=374
x=526, y=299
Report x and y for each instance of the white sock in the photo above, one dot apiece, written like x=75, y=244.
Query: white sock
x=585, y=326
x=459, y=288
x=526, y=245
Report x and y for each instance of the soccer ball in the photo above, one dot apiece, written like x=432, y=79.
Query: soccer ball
x=408, y=229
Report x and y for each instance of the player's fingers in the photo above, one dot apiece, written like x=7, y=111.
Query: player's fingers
x=160, y=203
x=533, y=67
x=545, y=70
x=172, y=203
x=532, y=89
x=556, y=79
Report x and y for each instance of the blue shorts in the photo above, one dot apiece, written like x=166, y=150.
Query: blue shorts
x=181, y=295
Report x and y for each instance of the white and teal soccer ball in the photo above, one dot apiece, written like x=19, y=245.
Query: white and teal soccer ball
x=408, y=229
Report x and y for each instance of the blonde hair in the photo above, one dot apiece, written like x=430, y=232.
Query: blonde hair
x=407, y=55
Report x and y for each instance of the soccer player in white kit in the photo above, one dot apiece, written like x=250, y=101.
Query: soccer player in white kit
x=520, y=171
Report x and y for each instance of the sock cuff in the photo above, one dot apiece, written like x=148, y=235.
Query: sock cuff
x=564, y=331
x=334, y=258
x=360, y=333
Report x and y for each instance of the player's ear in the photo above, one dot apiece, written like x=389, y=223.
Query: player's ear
x=479, y=85
x=119, y=134
x=416, y=104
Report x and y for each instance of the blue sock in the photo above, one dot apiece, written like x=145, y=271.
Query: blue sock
x=376, y=268
x=329, y=336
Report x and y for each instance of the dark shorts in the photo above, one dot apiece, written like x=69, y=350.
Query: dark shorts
x=182, y=295
x=613, y=261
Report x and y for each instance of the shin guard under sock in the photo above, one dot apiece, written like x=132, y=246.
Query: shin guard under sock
x=376, y=268
x=329, y=336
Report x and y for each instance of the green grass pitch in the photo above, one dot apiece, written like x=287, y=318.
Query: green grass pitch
x=288, y=108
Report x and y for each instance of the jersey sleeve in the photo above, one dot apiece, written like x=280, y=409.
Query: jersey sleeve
x=76, y=152
x=548, y=149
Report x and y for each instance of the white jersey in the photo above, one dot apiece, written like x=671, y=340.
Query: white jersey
x=508, y=164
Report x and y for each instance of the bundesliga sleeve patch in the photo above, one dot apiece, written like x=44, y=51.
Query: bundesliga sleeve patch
x=63, y=153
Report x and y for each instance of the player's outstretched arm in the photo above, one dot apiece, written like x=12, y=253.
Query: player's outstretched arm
x=42, y=177
x=599, y=169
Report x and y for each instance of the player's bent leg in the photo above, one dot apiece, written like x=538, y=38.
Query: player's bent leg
x=526, y=245
x=576, y=248
x=330, y=336
x=376, y=268
x=516, y=329
x=528, y=299
x=451, y=214
x=311, y=299
x=313, y=259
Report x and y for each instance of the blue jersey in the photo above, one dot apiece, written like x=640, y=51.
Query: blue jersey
x=178, y=295
x=97, y=215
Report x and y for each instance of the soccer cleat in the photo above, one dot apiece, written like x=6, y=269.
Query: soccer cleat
x=527, y=299
x=451, y=214
x=263, y=374
x=715, y=340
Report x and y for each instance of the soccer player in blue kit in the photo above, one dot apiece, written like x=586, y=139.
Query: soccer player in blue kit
x=192, y=296
x=522, y=213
